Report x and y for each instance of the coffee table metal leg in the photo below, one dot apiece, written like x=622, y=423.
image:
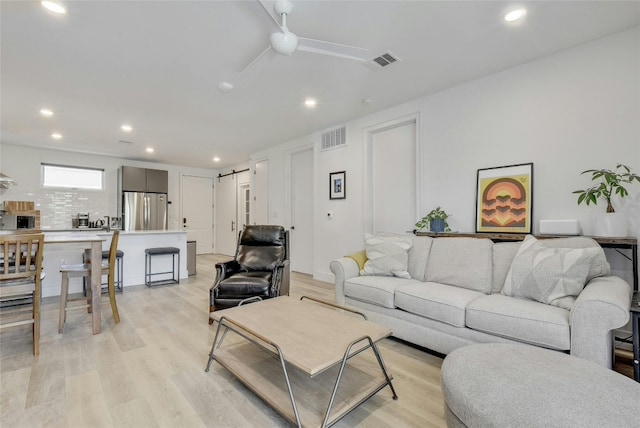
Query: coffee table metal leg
x=347, y=356
x=286, y=378
x=215, y=339
x=376, y=351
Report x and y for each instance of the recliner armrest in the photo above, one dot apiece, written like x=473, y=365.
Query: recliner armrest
x=224, y=270
x=281, y=279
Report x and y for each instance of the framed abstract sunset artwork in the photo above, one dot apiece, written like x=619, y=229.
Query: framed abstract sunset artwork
x=504, y=199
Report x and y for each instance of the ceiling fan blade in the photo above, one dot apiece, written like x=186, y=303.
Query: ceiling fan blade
x=333, y=49
x=255, y=61
x=266, y=9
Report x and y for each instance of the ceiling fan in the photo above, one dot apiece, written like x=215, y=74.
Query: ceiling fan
x=284, y=42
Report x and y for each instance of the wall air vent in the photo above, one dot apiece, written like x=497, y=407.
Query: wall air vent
x=334, y=138
x=382, y=61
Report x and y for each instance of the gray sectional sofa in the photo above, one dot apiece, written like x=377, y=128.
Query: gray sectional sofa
x=460, y=291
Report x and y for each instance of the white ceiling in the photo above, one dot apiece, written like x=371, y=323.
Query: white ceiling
x=156, y=65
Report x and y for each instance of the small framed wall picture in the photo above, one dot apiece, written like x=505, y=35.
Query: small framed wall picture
x=338, y=185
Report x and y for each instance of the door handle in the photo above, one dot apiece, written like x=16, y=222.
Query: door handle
x=233, y=225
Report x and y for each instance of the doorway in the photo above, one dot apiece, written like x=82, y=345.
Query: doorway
x=392, y=182
x=260, y=214
x=302, y=208
x=197, y=211
x=228, y=219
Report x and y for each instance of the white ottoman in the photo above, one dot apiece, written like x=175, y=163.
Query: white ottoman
x=499, y=385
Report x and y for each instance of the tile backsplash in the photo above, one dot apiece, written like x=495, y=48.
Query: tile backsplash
x=58, y=206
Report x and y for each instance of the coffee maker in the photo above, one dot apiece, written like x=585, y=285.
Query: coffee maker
x=83, y=220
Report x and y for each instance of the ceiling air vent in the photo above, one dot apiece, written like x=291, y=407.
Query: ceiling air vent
x=384, y=60
x=334, y=138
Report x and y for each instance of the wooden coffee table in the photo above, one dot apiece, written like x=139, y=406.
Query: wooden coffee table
x=305, y=358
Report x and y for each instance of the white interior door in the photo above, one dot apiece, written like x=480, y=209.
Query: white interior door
x=393, y=166
x=226, y=223
x=260, y=214
x=301, y=234
x=197, y=211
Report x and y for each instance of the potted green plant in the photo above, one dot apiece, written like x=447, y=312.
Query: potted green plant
x=608, y=184
x=436, y=221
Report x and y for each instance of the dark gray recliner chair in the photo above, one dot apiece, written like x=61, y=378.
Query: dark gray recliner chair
x=260, y=268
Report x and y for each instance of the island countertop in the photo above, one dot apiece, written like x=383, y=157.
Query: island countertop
x=133, y=244
x=99, y=231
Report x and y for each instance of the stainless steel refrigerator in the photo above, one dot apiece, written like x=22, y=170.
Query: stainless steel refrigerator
x=144, y=211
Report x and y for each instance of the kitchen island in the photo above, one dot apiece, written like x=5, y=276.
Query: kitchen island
x=132, y=244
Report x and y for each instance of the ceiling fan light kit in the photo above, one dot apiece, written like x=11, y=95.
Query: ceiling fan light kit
x=284, y=43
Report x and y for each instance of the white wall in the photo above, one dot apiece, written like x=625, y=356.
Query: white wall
x=575, y=110
x=57, y=206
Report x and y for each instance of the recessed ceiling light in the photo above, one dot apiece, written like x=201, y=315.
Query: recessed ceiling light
x=150, y=150
x=56, y=136
x=126, y=128
x=53, y=6
x=225, y=87
x=216, y=159
x=514, y=15
x=310, y=102
x=46, y=112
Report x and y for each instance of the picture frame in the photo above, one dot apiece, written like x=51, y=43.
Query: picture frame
x=504, y=199
x=338, y=185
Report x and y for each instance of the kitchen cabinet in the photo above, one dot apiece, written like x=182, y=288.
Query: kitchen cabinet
x=133, y=179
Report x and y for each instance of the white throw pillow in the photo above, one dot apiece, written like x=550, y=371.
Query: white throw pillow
x=553, y=276
x=387, y=255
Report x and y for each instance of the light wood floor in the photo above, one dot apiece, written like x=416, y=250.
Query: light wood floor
x=148, y=370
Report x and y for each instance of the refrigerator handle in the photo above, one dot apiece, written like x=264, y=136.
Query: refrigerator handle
x=146, y=212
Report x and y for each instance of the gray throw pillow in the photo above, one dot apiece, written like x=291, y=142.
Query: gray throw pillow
x=387, y=255
x=553, y=276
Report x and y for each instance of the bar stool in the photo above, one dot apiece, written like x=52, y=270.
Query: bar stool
x=118, y=282
x=84, y=271
x=161, y=251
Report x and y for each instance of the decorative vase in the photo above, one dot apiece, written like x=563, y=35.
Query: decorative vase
x=611, y=225
x=437, y=225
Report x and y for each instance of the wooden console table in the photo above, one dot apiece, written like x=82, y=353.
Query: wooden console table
x=605, y=242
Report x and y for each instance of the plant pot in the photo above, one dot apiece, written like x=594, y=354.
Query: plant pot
x=611, y=225
x=436, y=225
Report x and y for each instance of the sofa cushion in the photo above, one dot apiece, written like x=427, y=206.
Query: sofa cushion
x=463, y=262
x=503, y=255
x=378, y=290
x=438, y=302
x=387, y=255
x=519, y=319
x=549, y=275
x=418, y=256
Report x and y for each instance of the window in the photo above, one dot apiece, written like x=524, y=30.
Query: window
x=72, y=177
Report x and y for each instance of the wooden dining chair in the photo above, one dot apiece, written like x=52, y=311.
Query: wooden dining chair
x=20, y=281
x=84, y=271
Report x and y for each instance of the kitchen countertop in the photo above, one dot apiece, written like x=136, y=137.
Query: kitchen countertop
x=94, y=231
